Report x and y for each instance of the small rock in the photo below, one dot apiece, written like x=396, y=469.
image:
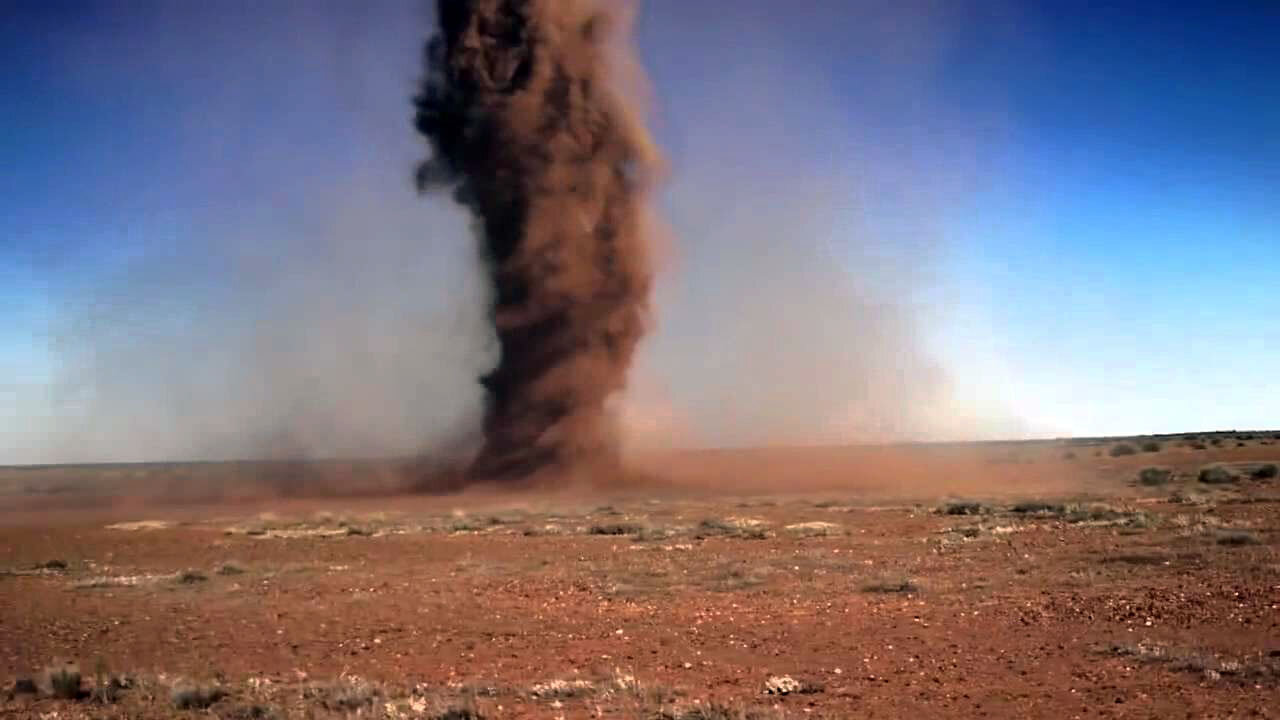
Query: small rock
x=816, y=528
x=782, y=685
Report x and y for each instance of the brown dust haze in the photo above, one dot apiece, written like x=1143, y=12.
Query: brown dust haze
x=300, y=300
x=529, y=131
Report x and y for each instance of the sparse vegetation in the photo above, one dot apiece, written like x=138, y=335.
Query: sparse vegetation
x=614, y=529
x=63, y=681
x=1045, y=553
x=1217, y=475
x=1084, y=513
x=900, y=585
x=1211, y=667
x=349, y=695
x=738, y=578
x=473, y=524
x=734, y=527
x=650, y=533
x=191, y=577
x=1122, y=449
x=713, y=711
x=196, y=697
x=106, y=687
x=1136, y=559
x=1035, y=507
x=710, y=527
x=1150, y=446
x=965, y=508
x=458, y=713
x=1266, y=471
x=1153, y=476
x=1236, y=538
x=251, y=711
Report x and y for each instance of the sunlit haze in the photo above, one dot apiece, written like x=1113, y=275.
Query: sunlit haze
x=883, y=221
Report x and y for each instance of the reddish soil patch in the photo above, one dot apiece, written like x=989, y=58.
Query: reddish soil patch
x=1113, y=601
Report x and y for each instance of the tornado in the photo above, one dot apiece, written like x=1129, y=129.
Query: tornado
x=531, y=130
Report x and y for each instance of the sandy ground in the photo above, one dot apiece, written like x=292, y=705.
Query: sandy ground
x=946, y=581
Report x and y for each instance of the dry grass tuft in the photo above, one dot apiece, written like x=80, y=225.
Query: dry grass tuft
x=196, y=697
x=1122, y=449
x=889, y=586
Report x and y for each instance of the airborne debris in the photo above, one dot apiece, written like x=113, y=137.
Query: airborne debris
x=530, y=133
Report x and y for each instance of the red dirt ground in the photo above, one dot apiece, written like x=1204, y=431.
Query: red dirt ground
x=1130, y=601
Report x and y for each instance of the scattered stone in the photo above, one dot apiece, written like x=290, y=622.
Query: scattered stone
x=782, y=685
x=815, y=528
x=141, y=525
x=561, y=689
x=787, y=685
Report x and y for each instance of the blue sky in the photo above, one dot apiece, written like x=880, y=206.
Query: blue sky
x=952, y=220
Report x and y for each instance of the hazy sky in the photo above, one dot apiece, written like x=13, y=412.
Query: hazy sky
x=916, y=219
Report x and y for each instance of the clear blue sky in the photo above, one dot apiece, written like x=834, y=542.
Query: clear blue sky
x=936, y=219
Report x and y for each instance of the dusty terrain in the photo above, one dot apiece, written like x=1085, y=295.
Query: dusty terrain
x=988, y=580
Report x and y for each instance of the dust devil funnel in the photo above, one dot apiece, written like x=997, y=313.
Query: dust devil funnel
x=530, y=131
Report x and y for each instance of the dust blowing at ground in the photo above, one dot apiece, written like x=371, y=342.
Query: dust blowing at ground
x=531, y=134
